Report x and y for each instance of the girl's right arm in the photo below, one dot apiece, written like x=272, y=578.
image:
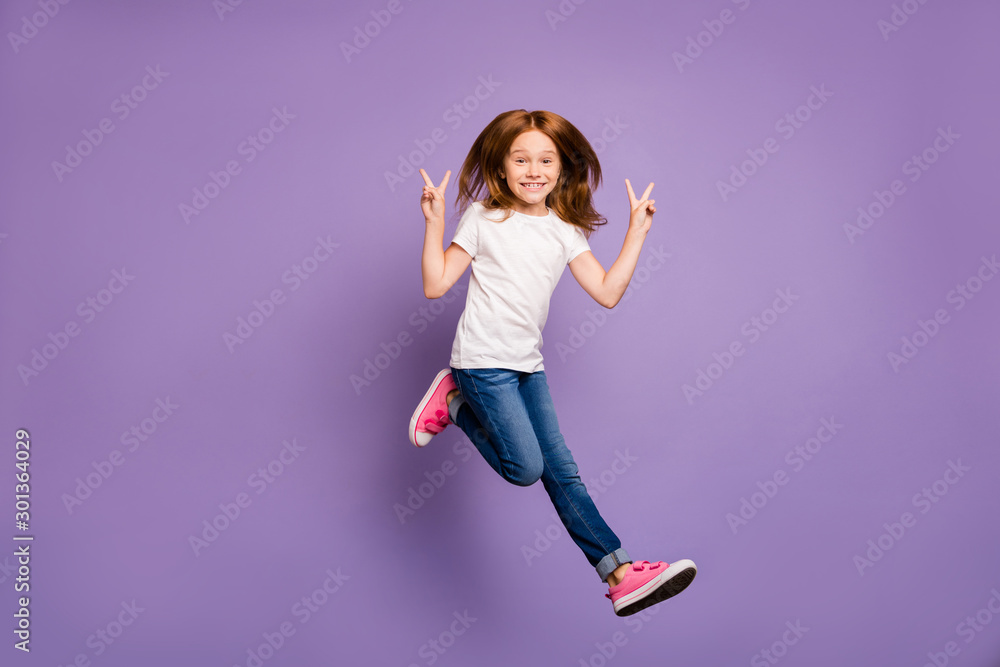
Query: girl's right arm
x=439, y=269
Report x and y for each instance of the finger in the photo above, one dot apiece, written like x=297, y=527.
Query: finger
x=631, y=193
x=444, y=183
x=427, y=179
x=648, y=190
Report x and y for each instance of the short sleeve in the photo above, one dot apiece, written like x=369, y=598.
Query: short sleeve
x=578, y=244
x=467, y=232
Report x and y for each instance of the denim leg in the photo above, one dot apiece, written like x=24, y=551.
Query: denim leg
x=510, y=418
x=561, y=480
x=493, y=415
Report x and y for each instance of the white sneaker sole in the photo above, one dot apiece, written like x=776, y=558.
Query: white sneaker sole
x=669, y=583
x=421, y=438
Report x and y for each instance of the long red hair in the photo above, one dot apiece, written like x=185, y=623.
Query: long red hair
x=580, y=171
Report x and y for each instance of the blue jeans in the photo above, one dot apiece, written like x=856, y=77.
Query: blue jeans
x=510, y=418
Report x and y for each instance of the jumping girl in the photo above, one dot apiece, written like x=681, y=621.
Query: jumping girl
x=535, y=218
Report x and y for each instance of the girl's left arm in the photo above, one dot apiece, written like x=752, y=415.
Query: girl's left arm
x=607, y=287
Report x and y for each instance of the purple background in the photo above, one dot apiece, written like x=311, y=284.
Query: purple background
x=608, y=67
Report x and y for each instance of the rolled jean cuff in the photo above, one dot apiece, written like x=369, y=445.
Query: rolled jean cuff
x=611, y=562
x=453, y=407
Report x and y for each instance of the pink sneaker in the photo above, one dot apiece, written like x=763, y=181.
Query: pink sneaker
x=645, y=584
x=431, y=416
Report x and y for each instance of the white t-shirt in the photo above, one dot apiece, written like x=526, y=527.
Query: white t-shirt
x=515, y=267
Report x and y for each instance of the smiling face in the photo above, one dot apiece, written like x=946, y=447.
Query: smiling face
x=531, y=170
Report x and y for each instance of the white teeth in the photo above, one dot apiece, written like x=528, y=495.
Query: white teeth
x=532, y=187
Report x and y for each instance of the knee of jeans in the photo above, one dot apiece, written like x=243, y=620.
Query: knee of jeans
x=531, y=474
x=527, y=475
